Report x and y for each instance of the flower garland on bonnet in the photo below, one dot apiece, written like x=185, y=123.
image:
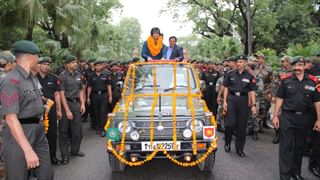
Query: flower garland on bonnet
x=153, y=47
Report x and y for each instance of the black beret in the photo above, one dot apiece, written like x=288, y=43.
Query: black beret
x=92, y=59
x=69, y=58
x=45, y=59
x=25, y=47
x=232, y=58
x=243, y=57
x=298, y=59
x=98, y=62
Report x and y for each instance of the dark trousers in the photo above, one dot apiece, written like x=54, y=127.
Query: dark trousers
x=237, y=119
x=91, y=112
x=211, y=100
x=52, y=132
x=315, y=155
x=100, y=107
x=293, y=134
x=15, y=162
x=76, y=129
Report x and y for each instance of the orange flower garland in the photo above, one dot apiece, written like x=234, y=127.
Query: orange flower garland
x=154, y=48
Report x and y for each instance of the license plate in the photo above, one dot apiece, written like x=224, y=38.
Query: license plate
x=167, y=145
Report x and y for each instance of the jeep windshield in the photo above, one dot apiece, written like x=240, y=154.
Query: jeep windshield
x=160, y=77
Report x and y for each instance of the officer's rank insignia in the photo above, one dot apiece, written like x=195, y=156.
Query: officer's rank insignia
x=113, y=134
x=310, y=88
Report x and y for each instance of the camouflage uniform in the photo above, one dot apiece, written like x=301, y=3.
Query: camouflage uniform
x=254, y=123
x=220, y=114
x=265, y=74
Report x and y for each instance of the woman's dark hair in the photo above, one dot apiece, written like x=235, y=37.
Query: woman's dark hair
x=155, y=30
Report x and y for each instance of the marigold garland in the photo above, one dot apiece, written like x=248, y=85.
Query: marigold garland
x=153, y=47
x=48, y=106
x=174, y=110
x=189, y=95
x=193, y=123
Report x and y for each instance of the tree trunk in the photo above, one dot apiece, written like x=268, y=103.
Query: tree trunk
x=29, y=32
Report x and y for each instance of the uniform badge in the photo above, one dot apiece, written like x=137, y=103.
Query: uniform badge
x=245, y=80
x=310, y=88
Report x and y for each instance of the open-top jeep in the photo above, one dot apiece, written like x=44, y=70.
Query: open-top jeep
x=161, y=115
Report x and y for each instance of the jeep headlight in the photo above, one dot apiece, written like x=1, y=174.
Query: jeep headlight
x=128, y=126
x=198, y=125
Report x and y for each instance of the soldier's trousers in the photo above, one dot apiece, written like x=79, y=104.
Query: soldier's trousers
x=52, y=131
x=15, y=162
x=220, y=116
x=90, y=110
x=76, y=129
x=293, y=134
x=264, y=106
x=100, y=107
x=315, y=155
x=236, y=119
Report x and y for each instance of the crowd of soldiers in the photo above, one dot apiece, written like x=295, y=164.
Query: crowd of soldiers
x=80, y=89
x=228, y=79
x=90, y=88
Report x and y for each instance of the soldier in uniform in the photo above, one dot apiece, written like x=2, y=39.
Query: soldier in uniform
x=239, y=84
x=229, y=65
x=210, y=95
x=285, y=69
x=116, y=77
x=296, y=97
x=72, y=99
x=50, y=89
x=99, y=89
x=25, y=144
x=88, y=73
x=253, y=121
x=264, y=73
x=314, y=160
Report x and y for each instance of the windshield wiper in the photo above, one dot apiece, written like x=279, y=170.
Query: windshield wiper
x=171, y=88
x=146, y=85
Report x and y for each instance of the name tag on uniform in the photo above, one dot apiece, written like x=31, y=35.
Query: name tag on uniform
x=310, y=88
x=103, y=78
x=210, y=83
x=232, y=79
x=49, y=82
x=78, y=79
x=246, y=80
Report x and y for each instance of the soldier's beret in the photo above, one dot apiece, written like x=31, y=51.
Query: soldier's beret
x=25, y=47
x=243, y=57
x=318, y=54
x=232, y=58
x=92, y=59
x=7, y=56
x=286, y=58
x=98, y=62
x=45, y=60
x=69, y=58
x=82, y=60
x=260, y=55
x=297, y=59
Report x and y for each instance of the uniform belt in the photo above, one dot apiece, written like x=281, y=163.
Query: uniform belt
x=296, y=112
x=238, y=93
x=34, y=120
x=99, y=92
x=73, y=99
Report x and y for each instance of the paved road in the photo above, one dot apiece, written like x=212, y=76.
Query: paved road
x=261, y=163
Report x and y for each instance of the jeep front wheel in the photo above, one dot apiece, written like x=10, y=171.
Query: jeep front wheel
x=208, y=164
x=115, y=164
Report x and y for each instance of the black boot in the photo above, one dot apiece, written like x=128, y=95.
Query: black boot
x=276, y=138
x=255, y=136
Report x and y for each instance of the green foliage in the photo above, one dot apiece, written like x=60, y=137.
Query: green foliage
x=308, y=50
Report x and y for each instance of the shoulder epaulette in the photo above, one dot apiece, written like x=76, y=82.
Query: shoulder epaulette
x=285, y=76
x=313, y=78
